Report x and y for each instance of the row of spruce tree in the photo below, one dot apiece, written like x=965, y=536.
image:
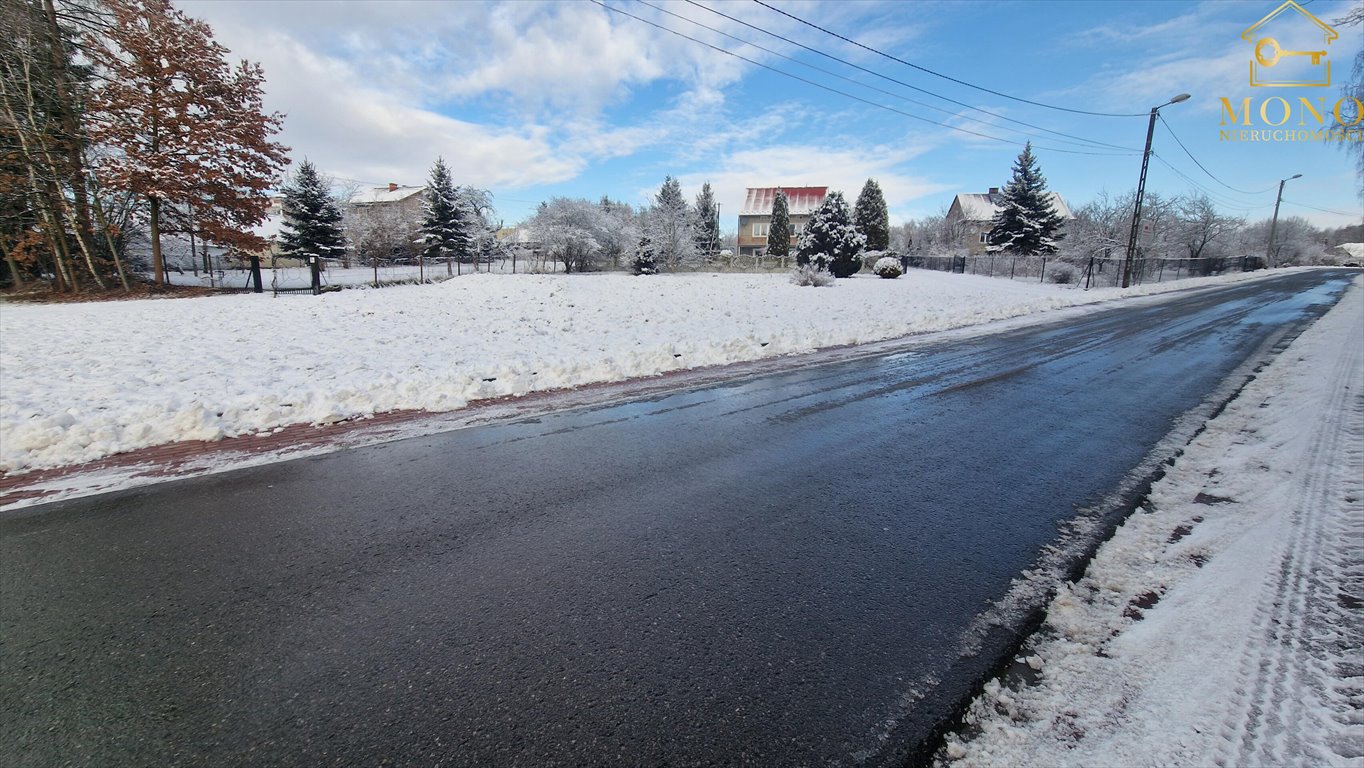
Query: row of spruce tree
x=671, y=233
x=451, y=227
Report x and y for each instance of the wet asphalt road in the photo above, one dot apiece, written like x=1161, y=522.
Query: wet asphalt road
x=776, y=571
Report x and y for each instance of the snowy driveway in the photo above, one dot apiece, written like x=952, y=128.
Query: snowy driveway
x=808, y=567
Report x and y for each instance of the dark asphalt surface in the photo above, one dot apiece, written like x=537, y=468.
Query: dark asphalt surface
x=776, y=571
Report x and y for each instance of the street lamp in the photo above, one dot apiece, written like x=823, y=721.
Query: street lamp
x=1274, y=223
x=1141, y=191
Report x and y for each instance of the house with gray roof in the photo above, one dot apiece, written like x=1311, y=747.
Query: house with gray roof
x=972, y=215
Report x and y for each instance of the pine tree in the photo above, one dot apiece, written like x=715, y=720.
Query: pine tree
x=1027, y=224
x=871, y=217
x=446, y=218
x=645, y=261
x=706, y=225
x=312, y=222
x=186, y=129
x=669, y=225
x=779, y=231
x=830, y=241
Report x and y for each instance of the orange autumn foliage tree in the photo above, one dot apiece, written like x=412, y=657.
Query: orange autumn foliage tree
x=183, y=127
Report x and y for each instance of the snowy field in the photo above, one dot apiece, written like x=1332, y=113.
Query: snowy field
x=1221, y=625
x=82, y=381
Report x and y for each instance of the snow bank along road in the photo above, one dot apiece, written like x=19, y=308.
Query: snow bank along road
x=82, y=381
x=1221, y=625
x=811, y=567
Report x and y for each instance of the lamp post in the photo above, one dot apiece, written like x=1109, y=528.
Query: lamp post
x=1141, y=191
x=1274, y=223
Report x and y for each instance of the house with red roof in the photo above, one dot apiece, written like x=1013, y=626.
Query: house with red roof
x=755, y=217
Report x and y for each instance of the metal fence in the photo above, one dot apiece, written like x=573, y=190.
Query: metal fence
x=1096, y=271
x=293, y=276
x=286, y=276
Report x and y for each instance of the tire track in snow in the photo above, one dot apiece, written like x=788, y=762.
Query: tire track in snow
x=1286, y=671
x=1153, y=659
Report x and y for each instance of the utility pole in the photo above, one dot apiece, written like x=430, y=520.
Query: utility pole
x=1274, y=223
x=1141, y=191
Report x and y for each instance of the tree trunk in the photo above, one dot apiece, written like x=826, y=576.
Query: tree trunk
x=82, y=242
x=158, y=266
x=109, y=240
x=193, y=252
x=13, y=266
x=73, y=145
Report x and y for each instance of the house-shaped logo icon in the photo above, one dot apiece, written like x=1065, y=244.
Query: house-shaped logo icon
x=1290, y=49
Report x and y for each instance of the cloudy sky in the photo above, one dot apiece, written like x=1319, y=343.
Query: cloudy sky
x=536, y=99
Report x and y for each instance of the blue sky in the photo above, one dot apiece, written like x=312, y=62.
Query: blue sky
x=532, y=99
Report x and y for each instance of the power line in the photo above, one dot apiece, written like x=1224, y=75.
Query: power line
x=1222, y=200
x=1323, y=210
x=845, y=94
x=947, y=77
x=868, y=71
x=1270, y=188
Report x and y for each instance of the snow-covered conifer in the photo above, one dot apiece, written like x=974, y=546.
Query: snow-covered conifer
x=669, y=225
x=1028, y=224
x=645, y=261
x=779, y=231
x=830, y=241
x=312, y=220
x=871, y=216
x=447, y=219
x=706, y=224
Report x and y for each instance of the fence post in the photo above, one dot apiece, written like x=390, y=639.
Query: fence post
x=1089, y=272
x=1042, y=278
x=1013, y=266
x=315, y=266
x=1160, y=274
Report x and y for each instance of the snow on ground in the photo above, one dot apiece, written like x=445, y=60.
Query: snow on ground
x=1221, y=625
x=83, y=381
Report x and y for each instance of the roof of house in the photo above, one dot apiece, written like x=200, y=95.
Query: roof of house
x=983, y=207
x=384, y=195
x=800, y=201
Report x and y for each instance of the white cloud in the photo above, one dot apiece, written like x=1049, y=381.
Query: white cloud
x=353, y=129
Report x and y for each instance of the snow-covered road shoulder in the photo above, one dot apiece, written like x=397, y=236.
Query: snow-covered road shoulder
x=1221, y=625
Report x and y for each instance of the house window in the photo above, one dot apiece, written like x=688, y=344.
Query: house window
x=760, y=230
x=984, y=238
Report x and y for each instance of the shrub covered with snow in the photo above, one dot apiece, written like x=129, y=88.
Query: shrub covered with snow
x=645, y=261
x=812, y=275
x=887, y=267
x=1062, y=273
x=830, y=241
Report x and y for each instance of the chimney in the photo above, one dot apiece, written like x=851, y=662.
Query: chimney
x=994, y=190
x=394, y=187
